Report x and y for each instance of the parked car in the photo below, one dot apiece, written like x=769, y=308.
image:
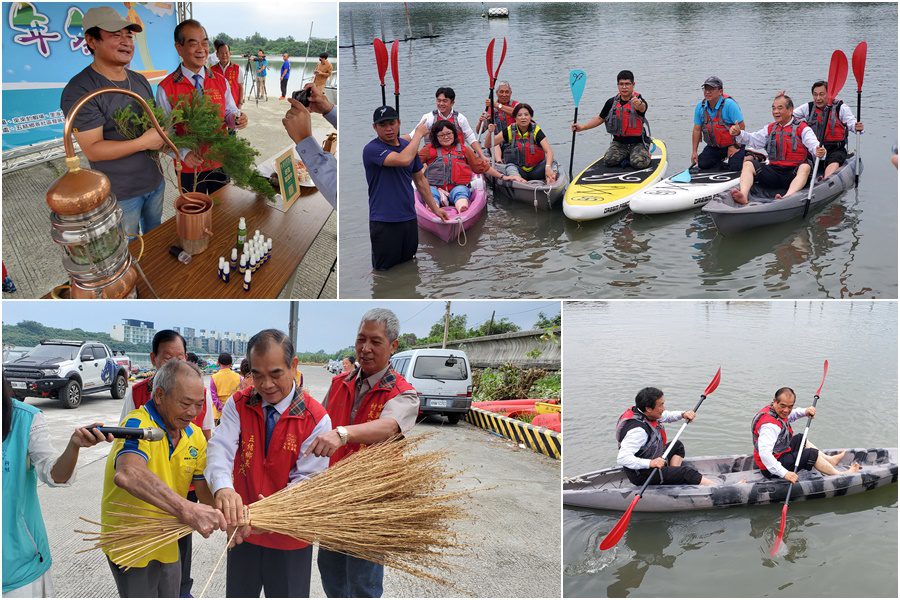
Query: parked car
x=442, y=379
x=66, y=369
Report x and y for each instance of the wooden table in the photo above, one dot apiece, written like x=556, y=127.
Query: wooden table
x=292, y=233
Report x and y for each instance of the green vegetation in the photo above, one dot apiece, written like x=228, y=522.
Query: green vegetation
x=545, y=323
x=508, y=382
x=30, y=333
x=250, y=44
x=202, y=132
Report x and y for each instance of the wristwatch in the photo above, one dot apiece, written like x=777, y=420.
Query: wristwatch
x=343, y=434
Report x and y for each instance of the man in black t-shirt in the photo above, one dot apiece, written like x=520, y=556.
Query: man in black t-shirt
x=623, y=115
x=135, y=178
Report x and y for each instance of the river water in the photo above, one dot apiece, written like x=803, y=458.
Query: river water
x=847, y=250
x=840, y=547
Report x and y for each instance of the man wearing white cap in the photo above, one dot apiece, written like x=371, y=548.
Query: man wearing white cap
x=134, y=177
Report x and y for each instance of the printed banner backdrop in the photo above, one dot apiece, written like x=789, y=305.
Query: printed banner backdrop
x=43, y=47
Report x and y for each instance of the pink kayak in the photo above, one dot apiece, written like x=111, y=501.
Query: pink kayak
x=457, y=222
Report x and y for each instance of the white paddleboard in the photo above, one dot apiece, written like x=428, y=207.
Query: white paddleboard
x=672, y=196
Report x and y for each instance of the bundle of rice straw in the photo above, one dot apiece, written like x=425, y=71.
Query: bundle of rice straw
x=385, y=504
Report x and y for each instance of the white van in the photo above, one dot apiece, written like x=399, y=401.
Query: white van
x=442, y=378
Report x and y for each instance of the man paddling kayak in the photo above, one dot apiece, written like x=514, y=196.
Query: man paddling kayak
x=642, y=442
x=714, y=115
x=625, y=120
x=831, y=123
x=775, y=446
x=789, y=142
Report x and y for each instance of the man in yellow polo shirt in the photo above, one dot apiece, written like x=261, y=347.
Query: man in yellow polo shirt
x=156, y=475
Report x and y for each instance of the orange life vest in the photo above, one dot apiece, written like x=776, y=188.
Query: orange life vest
x=714, y=129
x=447, y=168
x=785, y=144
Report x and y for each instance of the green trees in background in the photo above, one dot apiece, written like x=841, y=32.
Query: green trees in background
x=276, y=47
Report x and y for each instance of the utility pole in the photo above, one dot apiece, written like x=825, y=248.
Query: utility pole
x=491, y=326
x=292, y=322
x=446, y=324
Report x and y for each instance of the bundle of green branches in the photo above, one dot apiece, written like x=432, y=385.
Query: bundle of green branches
x=203, y=133
x=385, y=503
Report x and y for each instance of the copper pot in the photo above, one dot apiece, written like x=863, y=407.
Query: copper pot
x=193, y=221
x=119, y=285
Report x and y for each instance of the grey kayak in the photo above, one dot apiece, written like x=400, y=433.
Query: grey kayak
x=763, y=209
x=609, y=489
x=534, y=193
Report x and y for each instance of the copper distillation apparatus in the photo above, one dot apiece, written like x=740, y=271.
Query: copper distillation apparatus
x=87, y=221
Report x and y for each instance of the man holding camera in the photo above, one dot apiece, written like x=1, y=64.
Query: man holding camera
x=261, y=66
x=322, y=166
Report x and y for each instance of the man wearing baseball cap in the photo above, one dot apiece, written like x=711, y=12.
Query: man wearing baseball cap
x=714, y=115
x=392, y=164
x=134, y=177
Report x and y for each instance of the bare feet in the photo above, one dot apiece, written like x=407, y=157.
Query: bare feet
x=854, y=468
x=778, y=196
x=461, y=206
x=834, y=460
x=738, y=196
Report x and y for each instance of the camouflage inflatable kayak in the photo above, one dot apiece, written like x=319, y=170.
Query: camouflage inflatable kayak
x=740, y=484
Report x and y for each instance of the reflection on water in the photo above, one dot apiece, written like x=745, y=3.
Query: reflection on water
x=846, y=250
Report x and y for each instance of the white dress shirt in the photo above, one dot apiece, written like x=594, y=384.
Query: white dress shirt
x=845, y=115
x=759, y=139
x=635, y=439
x=462, y=123
x=765, y=443
x=223, y=446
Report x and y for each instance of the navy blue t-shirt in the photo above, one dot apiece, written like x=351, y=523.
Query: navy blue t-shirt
x=391, y=197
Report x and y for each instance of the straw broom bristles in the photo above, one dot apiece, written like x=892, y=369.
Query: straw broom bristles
x=385, y=504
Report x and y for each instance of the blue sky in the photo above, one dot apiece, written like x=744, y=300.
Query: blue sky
x=271, y=18
x=323, y=325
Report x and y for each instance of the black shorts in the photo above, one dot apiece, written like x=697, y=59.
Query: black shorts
x=670, y=475
x=393, y=243
x=713, y=157
x=836, y=153
x=774, y=177
x=789, y=458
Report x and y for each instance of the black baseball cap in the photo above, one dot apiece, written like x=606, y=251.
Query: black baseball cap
x=713, y=82
x=384, y=113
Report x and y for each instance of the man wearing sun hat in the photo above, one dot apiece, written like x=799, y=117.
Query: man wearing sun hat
x=712, y=118
x=392, y=165
x=134, y=178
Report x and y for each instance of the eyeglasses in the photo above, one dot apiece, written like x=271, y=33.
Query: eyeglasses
x=445, y=134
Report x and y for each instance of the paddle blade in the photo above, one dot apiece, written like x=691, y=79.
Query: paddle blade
x=577, y=79
x=612, y=538
x=381, y=58
x=780, y=535
x=683, y=177
x=489, y=60
x=714, y=383
x=502, y=58
x=859, y=63
x=395, y=59
x=823, y=378
x=837, y=74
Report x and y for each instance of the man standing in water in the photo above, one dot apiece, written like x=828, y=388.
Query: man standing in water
x=134, y=177
x=642, y=442
x=775, y=446
x=392, y=165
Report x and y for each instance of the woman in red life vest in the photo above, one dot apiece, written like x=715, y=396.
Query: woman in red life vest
x=642, y=442
x=775, y=445
x=450, y=166
x=789, y=142
x=528, y=153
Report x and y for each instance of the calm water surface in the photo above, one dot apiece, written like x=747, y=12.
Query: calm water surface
x=841, y=547
x=848, y=249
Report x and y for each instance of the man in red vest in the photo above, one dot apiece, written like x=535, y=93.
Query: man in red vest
x=261, y=446
x=788, y=142
x=192, y=76
x=367, y=405
x=231, y=71
x=831, y=123
x=170, y=345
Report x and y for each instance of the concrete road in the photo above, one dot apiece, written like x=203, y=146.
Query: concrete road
x=512, y=537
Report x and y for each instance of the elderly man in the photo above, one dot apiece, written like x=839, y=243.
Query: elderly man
x=321, y=165
x=231, y=71
x=831, y=123
x=260, y=447
x=392, y=166
x=368, y=405
x=503, y=111
x=775, y=447
x=788, y=142
x=713, y=117
x=169, y=345
x=642, y=442
x=143, y=474
x=192, y=76
x=134, y=178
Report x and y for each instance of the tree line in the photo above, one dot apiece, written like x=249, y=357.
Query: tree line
x=276, y=47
